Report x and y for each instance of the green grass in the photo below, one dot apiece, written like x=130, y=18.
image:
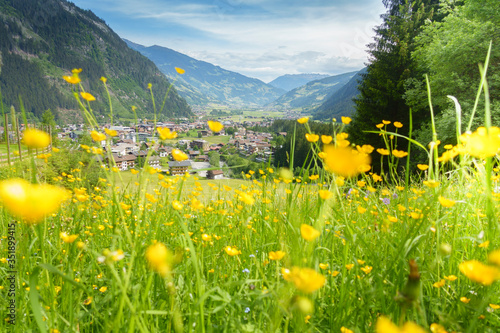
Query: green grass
x=149, y=253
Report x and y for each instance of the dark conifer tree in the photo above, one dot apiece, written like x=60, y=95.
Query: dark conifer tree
x=390, y=65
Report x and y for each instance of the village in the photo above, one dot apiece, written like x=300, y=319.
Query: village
x=133, y=146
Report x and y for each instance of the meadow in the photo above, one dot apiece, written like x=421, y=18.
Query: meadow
x=341, y=250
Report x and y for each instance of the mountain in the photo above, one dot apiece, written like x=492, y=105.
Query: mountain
x=42, y=40
x=313, y=93
x=203, y=82
x=341, y=102
x=291, y=81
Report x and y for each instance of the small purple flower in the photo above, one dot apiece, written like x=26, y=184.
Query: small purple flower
x=246, y=270
x=247, y=310
x=386, y=201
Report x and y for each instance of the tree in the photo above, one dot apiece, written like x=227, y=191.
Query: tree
x=450, y=51
x=214, y=158
x=390, y=65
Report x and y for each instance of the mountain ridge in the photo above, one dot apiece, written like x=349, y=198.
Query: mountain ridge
x=215, y=83
x=312, y=94
x=341, y=103
x=291, y=81
x=43, y=40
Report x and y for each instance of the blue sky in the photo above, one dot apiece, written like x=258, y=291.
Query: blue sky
x=258, y=38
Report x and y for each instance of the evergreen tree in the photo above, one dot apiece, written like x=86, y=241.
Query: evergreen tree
x=390, y=65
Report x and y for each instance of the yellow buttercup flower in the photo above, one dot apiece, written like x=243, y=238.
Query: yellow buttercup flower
x=422, y=167
x=385, y=325
x=303, y=120
x=325, y=194
x=480, y=273
x=31, y=202
x=448, y=203
x=482, y=143
x=103, y=79
x=111, y=132
x=345, y=161
x=232, y=251
x=276, y=255
x=180, y=70
x=326, y=139
x=215, y=126
x=309, y=233
x=74, y=79
x=96, y=136
x=87, y=96
x=464, y=300
x=397, y=124
x=383, y=151
x=177, y=205
x=399, y=153
x=34, y=138
x=306, y=279
x=312, y=137
x=165, y=133
x=179, y=155
x=346, y=120
x=68, y=238
x=159, y=258
x=494, y=257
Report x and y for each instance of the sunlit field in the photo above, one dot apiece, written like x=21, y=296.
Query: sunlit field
x=343, y=249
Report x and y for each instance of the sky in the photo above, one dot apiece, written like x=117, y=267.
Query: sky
x=262, y=39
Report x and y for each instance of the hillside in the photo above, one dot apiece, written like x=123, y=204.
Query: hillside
x=313, y=93
x=288, y=82
x=204, y=82
x=42, y=40
x=341, y=102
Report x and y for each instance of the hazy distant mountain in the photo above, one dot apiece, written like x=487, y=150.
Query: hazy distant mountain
x=341, y=102
x=291, y=81
x=204, y=82
x=313, y=93
x=42, y=40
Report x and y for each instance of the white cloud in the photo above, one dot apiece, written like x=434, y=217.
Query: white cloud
x=258, y=38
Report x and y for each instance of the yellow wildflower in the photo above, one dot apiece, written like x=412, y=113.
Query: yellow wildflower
x=303, y=120
x=345, y=161
x=422, y=167
x=312, y=137
x=309, y=233
x=159, y=258
x=165, y=133
x=484, y=244
x=34, y=138
x=494, y=257
x=276, y=255
x=325, y=194
x=31, y=202
x=180, y=70
x=346, y=120
x=111, y=132
x=326, y=139
x=232, y=251
x=215, y=126
x=179, y=155
x=385, y=325
x=480, y=273
x=399, y=153
x=448, y=203
x=96, y=136
x=87, y=96
x=68, y=238
x=306, y=279
x=482, y=143
x=464, y=300
x=397, y=124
